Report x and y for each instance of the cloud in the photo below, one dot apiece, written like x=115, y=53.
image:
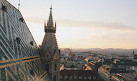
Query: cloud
x=89, y=24
x=104, y=25
x=36, y=20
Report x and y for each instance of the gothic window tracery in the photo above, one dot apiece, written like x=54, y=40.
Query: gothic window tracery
x=56, y=55
x=47, y=54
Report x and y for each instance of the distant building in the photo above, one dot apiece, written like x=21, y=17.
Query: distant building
x=104, y=72
x=124, y=77
x=80, y=55
x=64, y=58
x=125, y=64
x=79, y=75
x=111, y=73
x=61, y=67
x=135, y=57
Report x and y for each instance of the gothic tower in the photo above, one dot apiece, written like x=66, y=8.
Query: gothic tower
x=49, y=51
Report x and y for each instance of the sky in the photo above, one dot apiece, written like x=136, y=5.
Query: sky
x=84, y=23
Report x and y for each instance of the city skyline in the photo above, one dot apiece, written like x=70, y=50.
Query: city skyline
x=84, y=24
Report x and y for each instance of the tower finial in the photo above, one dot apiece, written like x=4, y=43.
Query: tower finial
x=51, y=6
x=19, y=5
x=50, y=21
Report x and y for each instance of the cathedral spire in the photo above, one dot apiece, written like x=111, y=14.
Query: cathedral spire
x=50, y=21
x=50, y=28
x=49, y=50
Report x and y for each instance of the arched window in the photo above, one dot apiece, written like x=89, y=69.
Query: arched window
x=4, y=8
x=18, y=40
x=55, y=78
x=55, y=67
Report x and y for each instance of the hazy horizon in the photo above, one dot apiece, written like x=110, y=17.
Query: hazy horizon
x=102, y=48
x=84, y=23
